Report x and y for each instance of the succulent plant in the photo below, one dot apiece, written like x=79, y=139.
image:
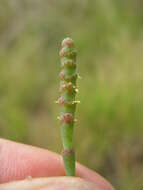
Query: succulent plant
x=68, y=76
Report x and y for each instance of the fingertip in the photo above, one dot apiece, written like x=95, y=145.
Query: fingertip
x=50, y=183
x=19, y=161
x=91, y=175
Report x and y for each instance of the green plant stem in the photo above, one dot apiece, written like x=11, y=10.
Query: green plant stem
x=68, y=76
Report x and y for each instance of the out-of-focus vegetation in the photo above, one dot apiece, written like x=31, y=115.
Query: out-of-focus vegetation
x=109, y=39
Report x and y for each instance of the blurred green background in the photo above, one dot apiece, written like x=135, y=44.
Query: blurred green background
x=109, y=38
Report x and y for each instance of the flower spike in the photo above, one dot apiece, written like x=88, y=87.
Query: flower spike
x=68, y=89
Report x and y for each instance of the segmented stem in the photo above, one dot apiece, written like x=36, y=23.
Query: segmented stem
x=68, y=90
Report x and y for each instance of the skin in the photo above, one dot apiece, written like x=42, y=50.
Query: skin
x=18, y=161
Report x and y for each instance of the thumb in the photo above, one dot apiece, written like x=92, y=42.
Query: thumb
x=50, y=183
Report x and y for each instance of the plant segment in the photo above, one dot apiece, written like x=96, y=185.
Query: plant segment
x=68, y=90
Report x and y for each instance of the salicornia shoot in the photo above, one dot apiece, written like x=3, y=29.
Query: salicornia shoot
x=67, y=102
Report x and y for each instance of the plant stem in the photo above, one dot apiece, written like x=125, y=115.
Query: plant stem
x=68, y=76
